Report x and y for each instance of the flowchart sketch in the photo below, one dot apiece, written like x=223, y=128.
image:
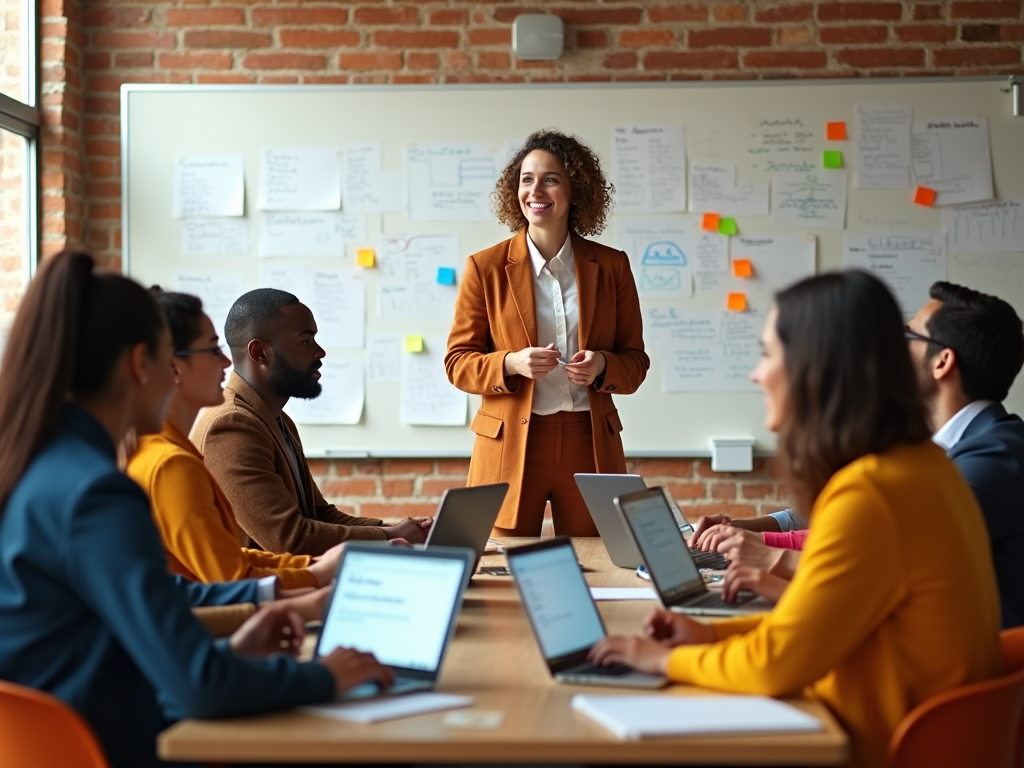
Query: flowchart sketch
x=816, y=199
x=660, y=252
x=338, y=302
x=341, y=399
x=908, y=262
x=713, y=189
x=650, y=168
x=310, y=234
x=217, y=290
x=785, y=143
x=778, y=261
x=991, y=228
x=300, y=179
x=426, y=396
x=367, y=187
x=883, y=146
x=208, y=185
x=407, y=283
x=215, y=237
x=450, y=182
x=953, y=158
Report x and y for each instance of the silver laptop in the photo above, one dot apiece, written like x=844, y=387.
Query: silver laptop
x=669, y=562
x=563, y=615
x=599, y=493
x=466, y=516
x=401, y=605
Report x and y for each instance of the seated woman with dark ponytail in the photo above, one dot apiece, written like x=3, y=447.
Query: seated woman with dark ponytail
x=87, y=609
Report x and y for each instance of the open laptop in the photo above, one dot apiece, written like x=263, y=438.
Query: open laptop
x=599, y=493
x=465, y=517
x=401, y=605
x=669, y=562
x=563, y=615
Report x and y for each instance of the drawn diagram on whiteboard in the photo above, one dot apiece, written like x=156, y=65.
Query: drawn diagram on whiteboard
x=662, y=267
x=810, y=198
x=450, y=182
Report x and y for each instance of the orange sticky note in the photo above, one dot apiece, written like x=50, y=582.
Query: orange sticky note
x=924, y=196
x=737, y=302
x=710, y=222
x=742, y=268
x=366, y=257
x=835, y=131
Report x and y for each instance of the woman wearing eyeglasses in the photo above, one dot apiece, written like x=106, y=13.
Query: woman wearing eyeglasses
x=195, y=518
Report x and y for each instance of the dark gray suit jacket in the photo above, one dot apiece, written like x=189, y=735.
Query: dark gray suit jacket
x=990, y=456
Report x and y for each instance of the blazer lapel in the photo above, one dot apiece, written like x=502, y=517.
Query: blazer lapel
x=520, y=281
x=250, y=396
x=586, y=285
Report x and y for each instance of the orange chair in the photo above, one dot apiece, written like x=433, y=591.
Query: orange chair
x=977, y=724
x=38, y=730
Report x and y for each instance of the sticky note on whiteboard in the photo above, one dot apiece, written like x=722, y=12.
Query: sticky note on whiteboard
x=727, y=226
x=736, y=302
x=924, y=196
x=742, y=268
x=446, y=276
x=835, y=131
x=366, y=257
x=710, y=222
x=414, y=344
x=833, y=159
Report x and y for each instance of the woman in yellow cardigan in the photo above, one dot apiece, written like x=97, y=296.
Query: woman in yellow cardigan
x=195, y=518
x=895, y=597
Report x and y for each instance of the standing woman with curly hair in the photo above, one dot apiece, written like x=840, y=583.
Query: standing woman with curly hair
x=547, y=326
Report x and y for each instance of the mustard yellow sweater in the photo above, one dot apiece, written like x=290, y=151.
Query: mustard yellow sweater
x=894, y=601
x=195, y=518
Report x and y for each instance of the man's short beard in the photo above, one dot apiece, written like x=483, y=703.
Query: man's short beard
x=287, y=381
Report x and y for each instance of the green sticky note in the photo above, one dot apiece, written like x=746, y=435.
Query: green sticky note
x=833, y=159
x=413, y=343
x=727, y=226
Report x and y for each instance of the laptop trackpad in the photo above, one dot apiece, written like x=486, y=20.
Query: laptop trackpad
x=373, y=691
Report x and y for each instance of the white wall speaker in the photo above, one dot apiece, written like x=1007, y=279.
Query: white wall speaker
x=538, y=37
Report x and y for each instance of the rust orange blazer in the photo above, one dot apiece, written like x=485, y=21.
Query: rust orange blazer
x=495, y=315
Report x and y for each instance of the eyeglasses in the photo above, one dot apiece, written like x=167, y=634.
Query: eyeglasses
x=215, y=351
x=915, y=336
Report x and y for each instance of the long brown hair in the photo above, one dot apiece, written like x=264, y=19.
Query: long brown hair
x=852, y=386
x=71, y=329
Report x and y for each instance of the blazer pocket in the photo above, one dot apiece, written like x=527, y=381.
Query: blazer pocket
x=613, y=421
x=486, y=425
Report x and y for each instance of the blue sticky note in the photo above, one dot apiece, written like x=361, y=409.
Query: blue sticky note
x=446, y=276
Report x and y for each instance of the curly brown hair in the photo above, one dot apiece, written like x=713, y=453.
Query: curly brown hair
x=591, y=191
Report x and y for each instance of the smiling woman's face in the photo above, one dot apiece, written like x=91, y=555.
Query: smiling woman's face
x=545, y=191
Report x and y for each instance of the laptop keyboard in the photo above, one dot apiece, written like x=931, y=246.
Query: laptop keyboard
x=713, y=560
x=714, y=600
x=592, y=670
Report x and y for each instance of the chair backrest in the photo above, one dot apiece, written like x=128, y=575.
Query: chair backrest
x=38, y=730
x=977, y=724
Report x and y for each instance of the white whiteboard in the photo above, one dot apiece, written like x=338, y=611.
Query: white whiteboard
x=161, y=122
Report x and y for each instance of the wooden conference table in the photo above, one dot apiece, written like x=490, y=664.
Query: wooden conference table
x=495, y=659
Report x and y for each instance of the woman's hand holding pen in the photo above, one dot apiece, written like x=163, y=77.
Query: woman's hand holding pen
x=532, y=362
x=585, y=366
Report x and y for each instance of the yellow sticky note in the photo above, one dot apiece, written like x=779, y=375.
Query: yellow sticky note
x=366, y=257
x=737, y=302
x=742, y=268
x=833, y=158
x=835, y=131
x=710, y=222
x=413, y=343
x=727, y=226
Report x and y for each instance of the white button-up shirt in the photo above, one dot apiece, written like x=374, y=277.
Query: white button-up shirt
x=949, y=434
x=558, y=322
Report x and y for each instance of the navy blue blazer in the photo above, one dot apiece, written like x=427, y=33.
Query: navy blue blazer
x=89, y=613
x=990, y=456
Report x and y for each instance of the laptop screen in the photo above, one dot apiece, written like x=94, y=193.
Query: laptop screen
x=662, y=545
x=395, y=605
x=558, y=600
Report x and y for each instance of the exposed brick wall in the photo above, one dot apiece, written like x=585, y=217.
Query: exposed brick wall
x=12, y=168
x=453, y=41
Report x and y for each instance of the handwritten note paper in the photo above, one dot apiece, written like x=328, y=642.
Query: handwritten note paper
x=710, y=350
x=711, y=261
x=677, y=325
x=288, y=277
x=338, y=303
x=300, y=179
x=991, y=228
x=883, y=146
x=450, y=182
x=383, y=358
x=408, y=268
x=816, y=199
x=714, y=188
x=781, y=144
x=660, y=250
x=218, y=291
x=367, y=187
x=952, y=157
x=909, y=262
x=208, y=185
x=650, y=168
x=777, y=261
x=341, y=400
x=215, y=237
x=426, y=395
x=310, y=234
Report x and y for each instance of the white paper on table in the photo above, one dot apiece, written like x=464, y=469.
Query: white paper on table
x=990, y=228
x=217, y=290
x=908, y=262
x=300, y=179
x=650, y=168
x=338, y=303
x=426, y=396
x=782, y=144
x=215, y=237
x=407, y=268
x=816, y=199
x=660, y=250
x=623, y=593
x=290, y=278
x=341, y=399
x=383, y=359
x=367, y=187
x=450, y=182
x=778, y=260
x=208, y=185
x=713, y=189
x=637, y=716
x=952, y=157
x=310, y=234
x=390, y=707
x=883, y=146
